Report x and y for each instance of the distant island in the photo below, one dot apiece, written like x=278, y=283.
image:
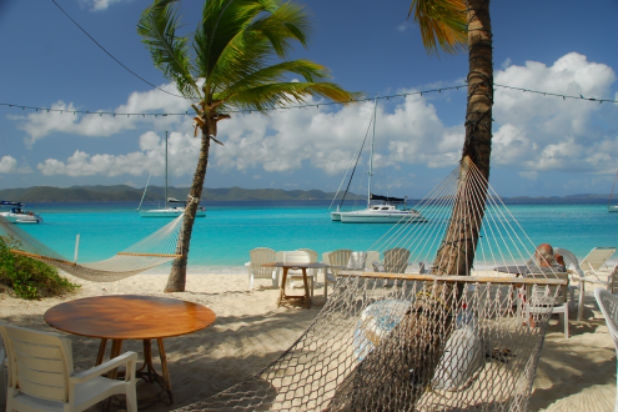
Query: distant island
x=125, y=193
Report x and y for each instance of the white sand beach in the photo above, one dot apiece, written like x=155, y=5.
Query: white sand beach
x=575, y=374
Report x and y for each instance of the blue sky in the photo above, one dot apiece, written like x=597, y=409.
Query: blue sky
x=542, y=145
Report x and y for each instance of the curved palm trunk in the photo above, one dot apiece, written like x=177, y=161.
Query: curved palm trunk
x=456, y=255
x=178, y=275
x=428, y=321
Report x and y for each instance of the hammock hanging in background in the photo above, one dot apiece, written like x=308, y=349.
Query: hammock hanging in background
x=152, y=251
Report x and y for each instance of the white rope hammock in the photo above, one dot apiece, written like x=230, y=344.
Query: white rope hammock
x=431, y=341
x=152, y=251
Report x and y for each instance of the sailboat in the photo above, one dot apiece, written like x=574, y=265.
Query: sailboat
x=380, y=209
x=173, y=207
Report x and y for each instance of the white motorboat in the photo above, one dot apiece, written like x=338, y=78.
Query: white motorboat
x=172, y=207
x=17, y=214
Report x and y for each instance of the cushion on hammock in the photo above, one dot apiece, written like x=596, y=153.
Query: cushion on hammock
x=462, y=357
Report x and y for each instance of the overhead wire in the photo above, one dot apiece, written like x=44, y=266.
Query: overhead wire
x=300, y=106
x=114, y=58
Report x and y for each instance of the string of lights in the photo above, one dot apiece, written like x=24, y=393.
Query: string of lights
x=563, y=96
x=299, y=106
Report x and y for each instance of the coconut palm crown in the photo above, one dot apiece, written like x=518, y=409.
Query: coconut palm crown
x=236, y=61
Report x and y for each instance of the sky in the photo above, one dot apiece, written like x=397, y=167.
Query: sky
x=543, y=144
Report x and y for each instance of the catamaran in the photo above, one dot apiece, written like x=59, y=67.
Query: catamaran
x=17, y=214
x=173, y=207
x=380, y=209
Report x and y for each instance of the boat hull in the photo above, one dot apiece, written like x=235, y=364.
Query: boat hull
x=21, y=217
x=168, y=212
x=335, y=216
x=369, y=217
x=613, y=208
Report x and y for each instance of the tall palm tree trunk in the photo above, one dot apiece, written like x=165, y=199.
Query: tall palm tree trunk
x=456, y=255
x=422, y=333
x=177, y=279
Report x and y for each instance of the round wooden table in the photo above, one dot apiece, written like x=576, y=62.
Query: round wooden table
x=120, y=317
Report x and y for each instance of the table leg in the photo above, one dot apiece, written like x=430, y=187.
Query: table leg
x=164, y=370
x=101, y=352
x=147, y=357
x=307, y=299
x=325, y=284
x=115, y=351
x=148, y=372
x=284, y=278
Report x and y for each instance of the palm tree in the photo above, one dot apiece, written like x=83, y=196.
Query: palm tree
x=236, y=61
x=441, y=22
x=422, y=333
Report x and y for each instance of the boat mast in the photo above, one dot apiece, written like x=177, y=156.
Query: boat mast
x=375, y=110
x=166, y=169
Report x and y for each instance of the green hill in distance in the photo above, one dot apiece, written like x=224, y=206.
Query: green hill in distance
x=124, y=193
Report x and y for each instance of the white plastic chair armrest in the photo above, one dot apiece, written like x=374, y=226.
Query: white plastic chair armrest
x=129, y=359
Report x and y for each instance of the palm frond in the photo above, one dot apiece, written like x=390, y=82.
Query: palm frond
x=309, y=71
x=287, y=22
x=222, y=21
x=157, y=26
x=271, y=95
x=260, y=31
x=442, y=22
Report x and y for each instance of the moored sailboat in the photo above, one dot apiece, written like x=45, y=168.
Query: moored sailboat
x=173, y=207
x=380, y=209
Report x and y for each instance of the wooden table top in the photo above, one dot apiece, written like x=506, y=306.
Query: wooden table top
x=129, y=317
x=308, y=265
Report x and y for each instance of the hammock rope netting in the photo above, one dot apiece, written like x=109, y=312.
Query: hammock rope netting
x=154, y=250
x=440, y=340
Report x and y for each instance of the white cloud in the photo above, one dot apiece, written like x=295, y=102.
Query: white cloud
x=542, y=133
x=102, y=123
x=8, y=164
x=329, y=140
x=182, y=154
x=532, y=132
x=101, y=5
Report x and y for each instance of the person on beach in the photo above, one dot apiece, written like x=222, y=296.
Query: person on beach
x=544, y=255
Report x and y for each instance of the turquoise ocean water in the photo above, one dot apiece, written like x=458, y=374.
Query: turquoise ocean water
x=223, y=239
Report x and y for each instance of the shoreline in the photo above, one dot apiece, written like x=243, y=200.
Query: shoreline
x=251, y=331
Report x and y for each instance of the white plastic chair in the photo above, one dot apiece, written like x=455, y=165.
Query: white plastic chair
x=395, y=261
x=256, y=268
x=41, y=375
x=593, y=262
x=373, y=256
x=608, y=303
x=539, y=302
x=3, y=379
x=595, y=259
x=337, y=258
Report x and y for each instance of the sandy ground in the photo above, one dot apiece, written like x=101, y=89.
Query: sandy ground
x=575, y=374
